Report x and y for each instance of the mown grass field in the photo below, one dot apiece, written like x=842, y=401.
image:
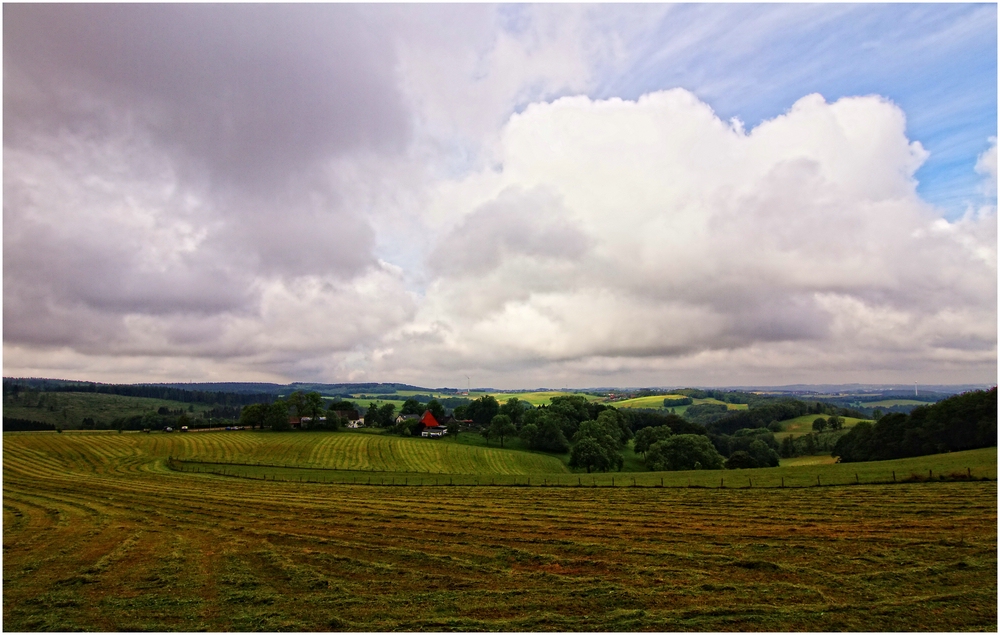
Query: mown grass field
x=68, y=409
x=99, y=534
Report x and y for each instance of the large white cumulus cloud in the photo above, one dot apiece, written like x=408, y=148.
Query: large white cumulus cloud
x=649, y=235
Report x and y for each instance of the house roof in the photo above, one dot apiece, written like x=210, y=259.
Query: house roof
x=428, y=420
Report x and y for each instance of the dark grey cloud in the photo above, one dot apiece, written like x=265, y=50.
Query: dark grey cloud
x=252, y=93
x=165, y=163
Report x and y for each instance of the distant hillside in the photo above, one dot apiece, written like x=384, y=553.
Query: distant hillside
x=226, y=387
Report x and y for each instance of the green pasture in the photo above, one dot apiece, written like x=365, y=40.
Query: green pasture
x=656, y=402
x=801, y=461
x=803, y=425
x=68, y=409
x=889, y=403
x=537, y=398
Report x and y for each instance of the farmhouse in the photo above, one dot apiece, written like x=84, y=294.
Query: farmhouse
x=302, y=422
x=432, y=429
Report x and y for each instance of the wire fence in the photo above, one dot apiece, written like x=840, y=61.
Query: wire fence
x=707, y=479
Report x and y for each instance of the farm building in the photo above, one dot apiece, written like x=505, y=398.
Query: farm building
x=432, y=429
x=302, y=422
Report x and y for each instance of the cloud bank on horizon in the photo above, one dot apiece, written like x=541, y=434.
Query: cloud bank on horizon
x=528, y=195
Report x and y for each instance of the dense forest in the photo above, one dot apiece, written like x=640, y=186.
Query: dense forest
x=962, y=422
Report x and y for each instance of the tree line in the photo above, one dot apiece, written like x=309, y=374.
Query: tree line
x=962, y=422
x=15, y=387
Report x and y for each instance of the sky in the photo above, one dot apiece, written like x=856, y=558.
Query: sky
x=511, y=196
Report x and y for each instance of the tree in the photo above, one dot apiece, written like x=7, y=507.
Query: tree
x=810, y=444
x=385, y=415
x=606, y=433
x=527, y=433
x=590, y=454
x=788, y=447
x=648, y=436
x=835, y=422
x=500, y=427
x=549, y=436
x=297, y=403
x=276, y=416
x=739, y=460
x=412, y=407
x=436, y=409
x=683, y=452
x=252, y=416
x=482, y=410
x=371, y=415
x=616, y=424
x=762, y=454
x=819, y=424
x=312, y=405
x=514, y=408
x=961, y=422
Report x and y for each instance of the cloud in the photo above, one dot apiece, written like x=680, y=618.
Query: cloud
x=342, y=192
x=680, y=235
x=181, y=182
x=987, y=166
x=249, y=93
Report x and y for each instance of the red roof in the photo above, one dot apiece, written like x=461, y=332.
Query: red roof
x=429, y=421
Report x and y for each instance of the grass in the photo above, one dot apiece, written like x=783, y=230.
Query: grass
x=99, y=534
x=803, y=425
x=656, y=401
x=68, y=409
x=889, y=403
x=537, y=398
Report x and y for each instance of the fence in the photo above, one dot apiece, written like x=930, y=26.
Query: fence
x=708, y=479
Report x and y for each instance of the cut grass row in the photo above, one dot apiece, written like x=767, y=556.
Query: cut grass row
x=98, y=535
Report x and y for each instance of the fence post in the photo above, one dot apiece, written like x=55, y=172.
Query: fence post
x=894, y=476
x=817, y=480
x=969, y=470
x=930, y=474
x=782, y=481
x=856, y=480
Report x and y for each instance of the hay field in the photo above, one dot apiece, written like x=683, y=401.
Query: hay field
x=100, y=535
